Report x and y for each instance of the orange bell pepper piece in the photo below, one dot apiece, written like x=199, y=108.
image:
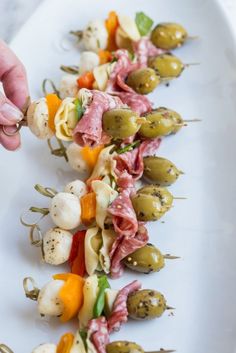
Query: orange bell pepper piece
x=88, y=208
x=53, y=103
x=104, y=56
x=90, y=155
x=65, y=343
x=86, y=80
x=71, y=294
x=112, y=24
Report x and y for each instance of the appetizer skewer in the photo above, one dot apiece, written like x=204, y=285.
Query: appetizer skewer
x=106, y=245
x=76, y=344
x=120, y=31
x=69, y=295
x=59, y=246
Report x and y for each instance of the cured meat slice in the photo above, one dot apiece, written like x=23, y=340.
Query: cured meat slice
x=143, y=49
x=98, y=333
x=137, y=102
x=121, y=70
x=125, y=246
x=132, y=161
x=123, y=216
x=119, y=313
x=88, y=131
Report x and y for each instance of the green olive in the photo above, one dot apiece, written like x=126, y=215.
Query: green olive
x=123, y=347
x=120, y=123
x=146, y=259
x=146, y=304
x=143, y=81
x=175, y=117
x=168, y=35
x=157, y=124
x=166, y=65
x=147, y=207
x=160, y=170
x=164, y=196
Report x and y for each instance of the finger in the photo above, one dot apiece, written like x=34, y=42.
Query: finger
x=9, y=113
x=11, y=143
x=13, y=76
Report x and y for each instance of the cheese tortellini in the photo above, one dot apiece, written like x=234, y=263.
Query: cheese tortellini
x=97, y=247
x=66, y=119
x=90, y=292
x=105, y=165
x=105, y=195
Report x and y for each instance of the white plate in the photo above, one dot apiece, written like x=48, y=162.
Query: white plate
x=201, y=285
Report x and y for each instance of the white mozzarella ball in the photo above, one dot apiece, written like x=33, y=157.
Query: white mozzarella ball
x=68, y=86
x=49, y=302
x=57, y=246
x=77, y=188
x=88, y=61
x=76, y=160
x=65, y=210
x=46, y=348
x=95, y=36
x=37, y=119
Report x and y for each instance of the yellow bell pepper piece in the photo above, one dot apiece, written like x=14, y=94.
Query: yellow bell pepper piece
x=65, y=343
x=90, y=155
x=53, y=103
x=71, y=294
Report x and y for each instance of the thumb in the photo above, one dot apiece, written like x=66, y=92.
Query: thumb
x=9, y=113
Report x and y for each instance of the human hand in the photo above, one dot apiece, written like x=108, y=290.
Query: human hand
x=14, y=80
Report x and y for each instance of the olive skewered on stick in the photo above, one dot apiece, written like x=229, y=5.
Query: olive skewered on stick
x=169, y=35
x=151, y=202
x=168, y=66
x=160, y=171
x=162, y=122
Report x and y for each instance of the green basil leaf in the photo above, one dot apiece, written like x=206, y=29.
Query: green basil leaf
x=103, y=284
x=129, y=147
x=83, y=335
x=79, y=109
x=144, y=23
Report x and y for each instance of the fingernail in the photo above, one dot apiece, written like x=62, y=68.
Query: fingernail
x=12, y=114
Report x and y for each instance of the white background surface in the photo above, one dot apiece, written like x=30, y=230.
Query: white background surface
x=202, y=285
x=15, y=12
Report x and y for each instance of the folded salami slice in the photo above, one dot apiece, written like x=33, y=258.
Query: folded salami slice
x=125, y=246
x=88, y=131
x=132, y=161
x=119, y=313
x=121, y=70
x=144, y=49
x=98, y=333
x=137, y=102
x=123, y=216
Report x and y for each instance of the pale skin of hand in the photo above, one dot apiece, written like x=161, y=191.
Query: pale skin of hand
x=14, y=81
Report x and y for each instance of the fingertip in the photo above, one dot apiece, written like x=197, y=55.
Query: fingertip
x=10, y=143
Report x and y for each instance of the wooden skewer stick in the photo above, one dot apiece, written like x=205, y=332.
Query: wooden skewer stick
x=162, y=351
x=192, y=37
x=30, y=293
x=5, y=349
x=78, y=34
x=191, y=64
x=169, y=307
x=170, y=257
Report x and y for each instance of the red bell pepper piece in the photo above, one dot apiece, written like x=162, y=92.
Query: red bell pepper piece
x=77, y=255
